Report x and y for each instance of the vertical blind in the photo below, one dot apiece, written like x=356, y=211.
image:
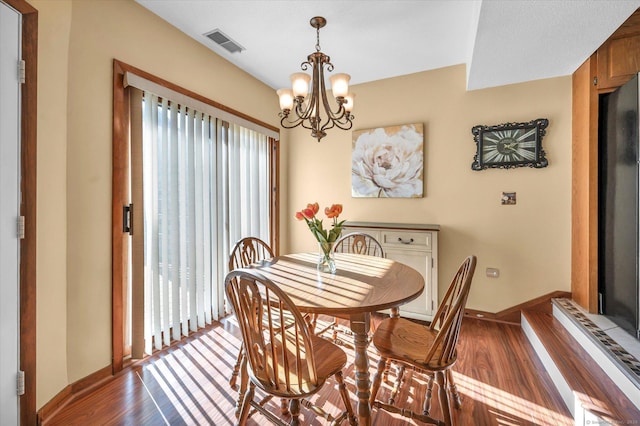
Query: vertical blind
x=205, y=185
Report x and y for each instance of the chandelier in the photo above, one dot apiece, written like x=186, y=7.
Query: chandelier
x=312, y=110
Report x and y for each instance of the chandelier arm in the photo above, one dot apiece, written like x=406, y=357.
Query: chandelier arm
x=328, y=125
x=344, y=121
x=289, y=124
x=307, y=124
x=344, y=126
x=301, y=113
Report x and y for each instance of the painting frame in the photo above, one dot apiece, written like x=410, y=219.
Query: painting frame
x=388, y=162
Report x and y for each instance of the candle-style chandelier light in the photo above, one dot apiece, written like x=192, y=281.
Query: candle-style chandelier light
x=312, y=110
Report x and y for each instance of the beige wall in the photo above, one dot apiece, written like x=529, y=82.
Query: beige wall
x=78, y=41
x=528, y=242
x=54, y=24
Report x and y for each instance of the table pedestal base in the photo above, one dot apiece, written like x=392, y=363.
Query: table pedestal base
x=360, y=329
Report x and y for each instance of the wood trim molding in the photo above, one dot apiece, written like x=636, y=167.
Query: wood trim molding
x=512, y=315
x=73, y=392
x=126, y=67
x=584, y=198
x=119, y=198
x=275, y=195
x=29, y=125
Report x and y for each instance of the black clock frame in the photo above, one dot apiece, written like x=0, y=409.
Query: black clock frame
x=479, y=132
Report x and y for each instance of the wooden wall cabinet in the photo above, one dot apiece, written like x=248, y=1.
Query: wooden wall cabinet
x=413, y=245
x=618, y=58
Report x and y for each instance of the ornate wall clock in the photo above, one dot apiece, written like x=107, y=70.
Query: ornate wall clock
x=510, y=145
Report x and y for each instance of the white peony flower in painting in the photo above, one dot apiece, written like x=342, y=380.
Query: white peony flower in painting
x=388, y=162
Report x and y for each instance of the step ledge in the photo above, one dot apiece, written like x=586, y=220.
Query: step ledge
x=620, y=373
x=572, y=400
x=566, y=393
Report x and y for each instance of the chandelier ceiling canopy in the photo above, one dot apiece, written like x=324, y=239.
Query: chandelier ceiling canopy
x=308, y=106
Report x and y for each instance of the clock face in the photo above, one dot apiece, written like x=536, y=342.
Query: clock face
x=509, y=146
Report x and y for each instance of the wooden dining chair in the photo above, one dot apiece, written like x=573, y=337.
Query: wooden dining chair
x=431, y=349
x=356, y=243
x=246, y=251
x=359, y=243
x=286, y=362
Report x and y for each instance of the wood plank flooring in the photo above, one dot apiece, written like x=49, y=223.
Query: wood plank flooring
x=501, y=380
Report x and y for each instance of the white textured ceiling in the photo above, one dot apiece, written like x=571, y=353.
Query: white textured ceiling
x=501, y=41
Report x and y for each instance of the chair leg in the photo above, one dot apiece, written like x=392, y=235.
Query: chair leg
x=294, y=408
x=385, y=375
x=236, y=369
x=284, y=406
x=244, y=379
x=377, y=379
x=457, y=400
x=311, y=320
x=398, y=383
x=345, y=398
x=427, y=398
x=443, y=397
x=246, y=404
x=334, y=330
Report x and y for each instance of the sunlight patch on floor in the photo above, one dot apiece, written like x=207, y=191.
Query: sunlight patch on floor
x=509, y=409
x=189, y=382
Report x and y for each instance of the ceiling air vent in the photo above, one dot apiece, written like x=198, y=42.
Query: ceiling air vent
x=224, y=41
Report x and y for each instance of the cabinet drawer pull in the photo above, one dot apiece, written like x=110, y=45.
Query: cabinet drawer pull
x=405, y=242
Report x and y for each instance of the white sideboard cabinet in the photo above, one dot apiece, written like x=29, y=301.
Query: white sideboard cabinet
x=415, y=245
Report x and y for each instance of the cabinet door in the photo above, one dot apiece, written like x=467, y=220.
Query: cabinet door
x=618, y=61
x=422, y=307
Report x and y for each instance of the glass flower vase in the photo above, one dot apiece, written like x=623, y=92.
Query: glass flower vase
x=326, y=258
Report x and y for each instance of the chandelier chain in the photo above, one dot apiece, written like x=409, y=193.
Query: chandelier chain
x=317, y=39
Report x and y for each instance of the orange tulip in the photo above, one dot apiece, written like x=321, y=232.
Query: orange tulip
x=333, y=211
x=299, y=216
x=308, y=213
x=314, y=207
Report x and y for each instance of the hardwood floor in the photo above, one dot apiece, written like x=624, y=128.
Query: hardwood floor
x=501, y=380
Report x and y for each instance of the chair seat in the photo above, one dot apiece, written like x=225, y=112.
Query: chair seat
x=406, y=341
x=329, y=360
x=329, y=357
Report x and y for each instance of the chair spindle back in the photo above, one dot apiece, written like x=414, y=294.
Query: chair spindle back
x=280, y=358
x=248, y=250
x=448, y=318
x=359, y=243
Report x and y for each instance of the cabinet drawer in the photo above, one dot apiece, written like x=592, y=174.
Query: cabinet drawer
x=406, y=239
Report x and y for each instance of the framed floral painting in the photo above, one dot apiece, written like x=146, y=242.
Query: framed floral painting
x=387, y=162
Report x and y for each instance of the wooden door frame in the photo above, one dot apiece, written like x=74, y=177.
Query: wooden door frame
x=121, y=197
x=28, y=165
